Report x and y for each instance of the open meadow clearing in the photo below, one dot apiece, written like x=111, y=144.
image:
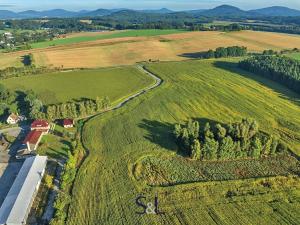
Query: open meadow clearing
x=60, y=87
x=129, y=50
x=106, y=189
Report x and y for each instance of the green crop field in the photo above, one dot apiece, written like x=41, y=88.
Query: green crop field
x=105, y=189
x=128, y=33
x=59, y=87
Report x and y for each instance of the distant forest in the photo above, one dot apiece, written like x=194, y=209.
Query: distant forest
x=179, y=20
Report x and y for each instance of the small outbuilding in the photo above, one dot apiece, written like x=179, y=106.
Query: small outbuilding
x=13, y=119
x=68, y=123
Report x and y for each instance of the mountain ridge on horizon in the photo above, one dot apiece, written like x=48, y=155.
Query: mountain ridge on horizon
x=222, y=10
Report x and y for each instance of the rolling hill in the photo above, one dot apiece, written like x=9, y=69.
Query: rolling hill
x=220, y=11
x=277, y=11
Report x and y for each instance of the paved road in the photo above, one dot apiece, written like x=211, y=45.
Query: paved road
x=158, y=82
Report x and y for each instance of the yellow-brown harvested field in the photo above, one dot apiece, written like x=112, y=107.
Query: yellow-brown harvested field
x=129, y=50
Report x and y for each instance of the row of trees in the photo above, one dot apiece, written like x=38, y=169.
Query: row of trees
x=29, y=69
x=75, y=109
x=233, y=141
x=65, y=110
x=233, y=51
x=281, y=69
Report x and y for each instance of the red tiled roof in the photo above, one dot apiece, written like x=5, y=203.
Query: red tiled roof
x=40, y=124
x=33, y=137
x=68, y=122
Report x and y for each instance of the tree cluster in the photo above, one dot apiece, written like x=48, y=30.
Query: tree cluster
x=227, y=142
x=281, y=69
x=221, y=52
x=7, y=102
x=76, y=109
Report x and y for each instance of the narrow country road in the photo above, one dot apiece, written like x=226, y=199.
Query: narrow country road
x=158, y=82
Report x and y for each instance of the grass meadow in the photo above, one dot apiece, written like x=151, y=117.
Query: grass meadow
x=105, y=35
x=295, y=55
x=105, y=188
x=60, y=87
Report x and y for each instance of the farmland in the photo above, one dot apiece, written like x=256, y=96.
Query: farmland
x=105, y=35
x=129, y=50
x=208, y=90
x=67, y=86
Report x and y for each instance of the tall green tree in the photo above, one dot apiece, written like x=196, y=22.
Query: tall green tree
x=196, y=150
x=256, y=148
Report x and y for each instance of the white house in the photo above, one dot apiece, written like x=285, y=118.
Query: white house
x=13, y=119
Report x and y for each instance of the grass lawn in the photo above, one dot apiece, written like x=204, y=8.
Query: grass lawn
x=121, y=34
x=115, y=83
x=54, y=146
x=105, y=189
x=294, y=55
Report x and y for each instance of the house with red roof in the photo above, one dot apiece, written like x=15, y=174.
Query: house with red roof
x=40, y=125
x=38, y=129
x=68, y=123
x=33, y=139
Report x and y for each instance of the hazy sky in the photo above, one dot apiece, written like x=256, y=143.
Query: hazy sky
x=18, y=5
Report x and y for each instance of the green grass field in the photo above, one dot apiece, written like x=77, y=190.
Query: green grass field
x=105, y=188
x=54, y=146
x=128, y=33
x=115, y=83
x=295, y=56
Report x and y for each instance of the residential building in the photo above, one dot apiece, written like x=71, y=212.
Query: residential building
x=40, y=125
x=68, y=123
x=13, y=119
x=33, y=139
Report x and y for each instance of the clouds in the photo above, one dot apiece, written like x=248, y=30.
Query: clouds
x=142, y=4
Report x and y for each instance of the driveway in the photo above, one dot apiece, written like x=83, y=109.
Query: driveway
x=19, y=133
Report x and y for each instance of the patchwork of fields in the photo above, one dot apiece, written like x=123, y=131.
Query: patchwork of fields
x=105, y=189
x=140, y=46
x=116, y=83
x=124, y=143
x=83, y=37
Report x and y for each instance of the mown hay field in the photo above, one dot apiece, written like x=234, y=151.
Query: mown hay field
x=105, y=189
x=129, y=50
x=59, y=87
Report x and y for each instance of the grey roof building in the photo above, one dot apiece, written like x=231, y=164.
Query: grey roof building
x=18, y=202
